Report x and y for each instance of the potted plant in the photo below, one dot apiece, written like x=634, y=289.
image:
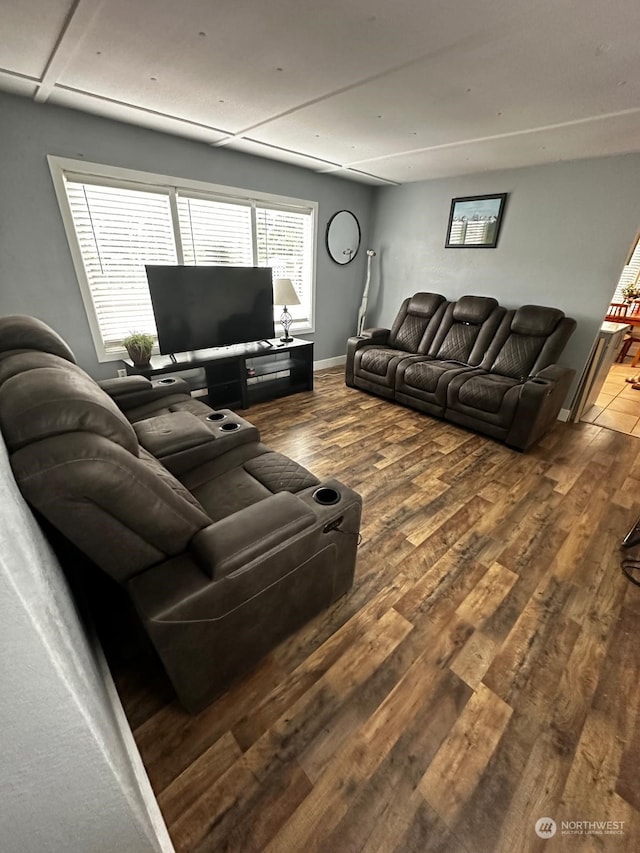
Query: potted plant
x=630, y=292
x=139, y=346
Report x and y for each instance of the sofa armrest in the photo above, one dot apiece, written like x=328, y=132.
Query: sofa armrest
x=233, y=542
x=241, y=557
x=541, y=399
x=376, y=336
x=553, y=373
x=130, y=392
x=124, y=385
x=183, y=441
x=377, y=333
x=165, y=435
x=246, y=583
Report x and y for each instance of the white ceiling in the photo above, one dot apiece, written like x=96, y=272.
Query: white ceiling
x=383, y=91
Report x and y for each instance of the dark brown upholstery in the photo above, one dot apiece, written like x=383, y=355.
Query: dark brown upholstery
x=516, y=393
x=20, y=332
x=372, y=359
x=492, y=370
x=467, y=328
x=220, y=542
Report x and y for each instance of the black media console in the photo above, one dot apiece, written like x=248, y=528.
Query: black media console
x=239, y=375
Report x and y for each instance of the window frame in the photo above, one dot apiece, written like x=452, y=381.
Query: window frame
x=630, y=272
x=63, y=168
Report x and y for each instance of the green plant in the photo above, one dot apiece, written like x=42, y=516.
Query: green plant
x=631, y=291
x=139, y=346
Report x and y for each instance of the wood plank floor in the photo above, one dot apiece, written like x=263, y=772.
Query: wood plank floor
x=483, y=673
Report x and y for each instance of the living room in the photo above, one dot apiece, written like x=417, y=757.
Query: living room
x=572, y=179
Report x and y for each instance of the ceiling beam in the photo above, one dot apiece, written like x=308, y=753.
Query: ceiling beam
x=74, y=29
x=527, y=131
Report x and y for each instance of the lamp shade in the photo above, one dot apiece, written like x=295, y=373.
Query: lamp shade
x=283, y=292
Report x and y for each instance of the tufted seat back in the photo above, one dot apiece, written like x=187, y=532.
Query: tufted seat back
x=467, y=329
x=417, y=322
x=528, y=340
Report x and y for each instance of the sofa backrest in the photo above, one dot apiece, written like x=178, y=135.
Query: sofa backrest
x=528, y=340
x=14, y=362
x=77, y=460
x=19, y=332
x=417, y=322
x=467, y=329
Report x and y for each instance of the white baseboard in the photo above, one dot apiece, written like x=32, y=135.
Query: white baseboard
x=564, y=415
x=330, y=362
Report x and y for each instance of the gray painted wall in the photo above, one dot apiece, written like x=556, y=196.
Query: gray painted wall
x=565, y=237
x=36, y=272
x=71, y=779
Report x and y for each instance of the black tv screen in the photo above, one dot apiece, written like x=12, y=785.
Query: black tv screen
x=202, y=307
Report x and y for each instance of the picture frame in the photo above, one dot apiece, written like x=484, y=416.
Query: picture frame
x=474, y=221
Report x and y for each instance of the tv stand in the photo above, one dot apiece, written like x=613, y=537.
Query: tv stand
x=240, y=375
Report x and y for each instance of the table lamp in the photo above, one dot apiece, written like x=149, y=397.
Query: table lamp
x=284, y=294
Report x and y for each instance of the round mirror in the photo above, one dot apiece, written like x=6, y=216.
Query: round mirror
x=343, y=237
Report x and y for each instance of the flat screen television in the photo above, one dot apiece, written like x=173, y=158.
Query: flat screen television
x=203, y=307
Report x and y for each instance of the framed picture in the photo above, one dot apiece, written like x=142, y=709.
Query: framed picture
x=474, y=221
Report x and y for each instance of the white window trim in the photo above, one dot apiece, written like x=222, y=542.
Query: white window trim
x=150, y=181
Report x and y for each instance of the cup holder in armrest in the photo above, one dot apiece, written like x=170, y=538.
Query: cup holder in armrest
x=230, y=427
x=326, y=496
x=216, y=416
x=168, y=381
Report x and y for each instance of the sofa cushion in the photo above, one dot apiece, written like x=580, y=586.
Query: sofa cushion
x=157, y=469
x=458, y=343
x=474, y=309
x=466, y=330
x=517, y=356
x=376, y=359
x=536, y=320
x=485, y=392
x=166, y=405
x=50, y=401
x=19, y=332
x=413, y=321
x=125, y=512
x=229, y=491
x=18, y=361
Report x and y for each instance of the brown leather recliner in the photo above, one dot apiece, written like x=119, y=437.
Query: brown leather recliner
x=474, y=364
x=517, y=391
x=224, y=546
x=373, y=357
x=466, y=329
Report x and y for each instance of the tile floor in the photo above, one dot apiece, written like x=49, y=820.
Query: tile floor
x=618, y=405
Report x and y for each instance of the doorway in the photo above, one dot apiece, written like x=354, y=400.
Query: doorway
x=614, y=397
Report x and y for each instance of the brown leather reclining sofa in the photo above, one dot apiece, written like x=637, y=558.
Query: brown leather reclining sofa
x=471, y=362
x=223, y=546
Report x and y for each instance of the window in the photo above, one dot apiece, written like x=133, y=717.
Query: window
x=630, y=274
x=117, y=221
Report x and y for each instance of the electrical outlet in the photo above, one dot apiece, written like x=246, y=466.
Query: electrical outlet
x=122, y=373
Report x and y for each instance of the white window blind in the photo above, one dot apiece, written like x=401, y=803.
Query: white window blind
x=214, y=232
x=284, y=244
x=119, y=220
x=630, y=274
x=118, y=232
